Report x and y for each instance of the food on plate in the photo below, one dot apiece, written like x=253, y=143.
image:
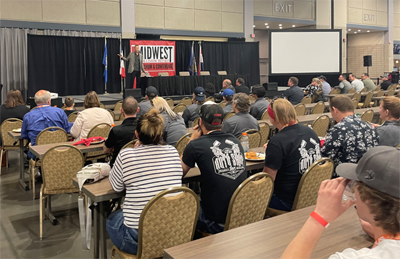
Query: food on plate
x=251, y=155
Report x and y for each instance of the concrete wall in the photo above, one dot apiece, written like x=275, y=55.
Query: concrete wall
x=295, y=9
x=367, y=12
x=85, y=12
x=396, y=20
x=192, y=15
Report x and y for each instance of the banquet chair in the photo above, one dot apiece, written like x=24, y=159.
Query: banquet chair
x=210, y=98
x=186, y=101
x=59, y=167
x=367, y=101
x=166, y=221
x=306, y=100
x=307, y=191
x=130, y=144
x=117, y=108
x=251, y=98
x=179, y=108
x=7, y=140
x=321, y=125
x=204, y=73
x=182, y=142
x=112, y=114
x=102, y=106
x=170, y=102
x=355, y=103
x=398, y=146
x=163, y=74
x=228, y=115
x=265, y=131
x=222, y=104
x=300, y=109
x=99, y=130
x=72, y=117
x=356, y=96
x=222, y=73
x=50, y=135
x=378, y=88
x=268, y=99
x=254, y=138
x=364, y=90
x=352, y=91
x=265, y=115
x=391, y=92
x=380, y=93
x=368, y=115
x=184, y=73
x=335, y=91
x=316, y=95
x=196, y=121
x=250, y=201
x=318, y=108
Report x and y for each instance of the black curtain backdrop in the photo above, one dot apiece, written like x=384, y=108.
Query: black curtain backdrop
x=73, y=65
x=304, y=80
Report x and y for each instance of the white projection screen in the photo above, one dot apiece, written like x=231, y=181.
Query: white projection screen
x=305, y=52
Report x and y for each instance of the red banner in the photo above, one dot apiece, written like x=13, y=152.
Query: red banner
x=158, y=56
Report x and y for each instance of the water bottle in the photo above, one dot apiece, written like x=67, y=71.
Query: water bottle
x=245, y=142
x=349, y=193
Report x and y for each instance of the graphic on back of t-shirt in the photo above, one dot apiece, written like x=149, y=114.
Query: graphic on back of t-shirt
x=228, y=161
x=308, y=157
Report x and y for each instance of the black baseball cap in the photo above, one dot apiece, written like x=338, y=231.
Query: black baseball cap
x=151, y=91
x=212, y=114
x=322, y=77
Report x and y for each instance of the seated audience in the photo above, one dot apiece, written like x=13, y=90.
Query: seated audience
x=377, y=200
x=326, y=87
x=389, y=131
x=14, y=107
x=368, y=82
x=174, y=125
x=69, y=105
x=289, y=153
x=225, y=85
x=344, y=85
x=351, y=137
x=142, y=172
x=192, y=111
x=385, y=82
x=42, y=117
x=210, y=149
x=355, y=83
x=314, y=89
x=227, y=95
x=90, y=117
x=242, y=120
x=209, y=89
x=120, y=135
x=240, y=87
x=260, y=105
x=294, y=94
x=151, y=92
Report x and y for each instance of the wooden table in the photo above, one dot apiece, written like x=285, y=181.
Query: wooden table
x=309, y=106
x=363, y=93
x=17, y=136
x=102, y=192
x=270, y=237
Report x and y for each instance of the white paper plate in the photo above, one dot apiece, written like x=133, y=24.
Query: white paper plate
x=17, y=130
x=261, y=157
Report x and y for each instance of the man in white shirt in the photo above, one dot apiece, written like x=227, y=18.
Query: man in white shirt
x=355, y=83
x=377, y=198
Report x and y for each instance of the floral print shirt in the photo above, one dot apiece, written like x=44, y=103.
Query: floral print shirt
x=347, y=141
x=312, y=89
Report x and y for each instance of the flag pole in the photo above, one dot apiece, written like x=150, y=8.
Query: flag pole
x=105, y=84
x=122, y=79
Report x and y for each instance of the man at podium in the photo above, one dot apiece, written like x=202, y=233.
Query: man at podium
x=135, y=65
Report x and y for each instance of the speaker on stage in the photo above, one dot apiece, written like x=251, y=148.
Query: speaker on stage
x=368, y=61
x=136, y=93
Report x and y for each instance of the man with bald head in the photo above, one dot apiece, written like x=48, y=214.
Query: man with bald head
x=226, y=84
x=43, y=116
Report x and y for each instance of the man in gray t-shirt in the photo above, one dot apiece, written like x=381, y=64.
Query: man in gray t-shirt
x=144, y=107
x=326, y=87
x=368, y=82
x=242, y=120
x=228, y=98
x=192, y=111
x=344, y=85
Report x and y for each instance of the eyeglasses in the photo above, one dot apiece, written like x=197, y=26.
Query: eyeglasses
x=273, y=100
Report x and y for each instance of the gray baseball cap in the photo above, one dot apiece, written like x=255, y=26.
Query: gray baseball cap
x=379, y=168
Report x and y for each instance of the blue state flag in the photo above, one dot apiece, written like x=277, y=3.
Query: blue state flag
x=192, y=63
x=105, y=62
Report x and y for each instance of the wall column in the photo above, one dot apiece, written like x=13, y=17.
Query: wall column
x=128, y=19
x=323, y=14
x=340, y=16
x=388, y=41
x=248, y=19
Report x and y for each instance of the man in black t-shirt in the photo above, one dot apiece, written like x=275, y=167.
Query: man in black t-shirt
x=220, y=158
x=385, y=82
x=120, y=135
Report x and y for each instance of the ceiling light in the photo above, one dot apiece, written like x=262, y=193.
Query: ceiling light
x=267, y=27
x=280, y=28
x=397, y=61
x=359, y=30
x=355, y=32
x=280, y=25
x=349, y=29
x=266, y=24
x=254, y=26
x=367, y=31
x=293, y=26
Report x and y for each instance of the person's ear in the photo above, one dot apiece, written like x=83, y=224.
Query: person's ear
x=73, y=105
x=136, y=134
x=137, y=110
x=121, y=110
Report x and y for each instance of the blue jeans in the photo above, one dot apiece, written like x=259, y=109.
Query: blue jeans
x=208, y=226
x=278, y=204
x=123, y=237
x=30, y=155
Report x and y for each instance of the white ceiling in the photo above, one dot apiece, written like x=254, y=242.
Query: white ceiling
x=260, y=25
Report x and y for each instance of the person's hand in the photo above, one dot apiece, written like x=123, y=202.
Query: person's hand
x=197, y=133
x=137, y=143
x=265, y=147
x=329, y=202
x=119, y=55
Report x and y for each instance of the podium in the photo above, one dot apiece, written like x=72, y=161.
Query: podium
x=136, y=93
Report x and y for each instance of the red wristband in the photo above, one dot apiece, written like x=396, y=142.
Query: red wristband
x=319, y=219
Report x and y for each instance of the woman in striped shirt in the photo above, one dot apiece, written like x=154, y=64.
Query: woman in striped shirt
x=144, y=171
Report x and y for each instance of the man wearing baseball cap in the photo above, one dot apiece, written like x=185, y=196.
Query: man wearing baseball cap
x=151, y=92
x=385, y=82
x=227, y=95
x=192, y=111
x=326, y=87
x=377, y=199
x=220, y=158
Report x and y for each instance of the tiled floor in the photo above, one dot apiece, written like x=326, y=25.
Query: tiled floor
x=19, y=221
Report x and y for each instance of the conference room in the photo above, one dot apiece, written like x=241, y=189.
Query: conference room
x=199, y=129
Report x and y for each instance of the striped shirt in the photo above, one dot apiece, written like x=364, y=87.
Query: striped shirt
x=144, y=172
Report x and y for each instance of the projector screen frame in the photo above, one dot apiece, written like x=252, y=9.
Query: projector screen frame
x=309, y=30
